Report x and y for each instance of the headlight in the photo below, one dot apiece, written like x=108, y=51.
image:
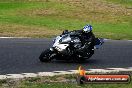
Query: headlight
x=67, y=39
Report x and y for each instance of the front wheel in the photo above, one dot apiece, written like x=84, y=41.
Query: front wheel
x=45, y=56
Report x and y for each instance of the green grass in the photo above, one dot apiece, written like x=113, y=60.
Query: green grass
x=71, y=85
x=56, y=82
x=40, y=18
x=123, y=2
x=113, y=31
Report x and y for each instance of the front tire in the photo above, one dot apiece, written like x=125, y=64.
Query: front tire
x=45, y=55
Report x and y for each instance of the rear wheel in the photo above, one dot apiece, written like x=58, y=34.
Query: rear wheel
x=84, y=56
x=45, y=56
x=91, y=54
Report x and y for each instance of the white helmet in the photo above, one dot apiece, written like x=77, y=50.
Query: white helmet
x=88, y=28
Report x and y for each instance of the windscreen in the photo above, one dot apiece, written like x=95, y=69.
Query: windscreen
x=65, y=38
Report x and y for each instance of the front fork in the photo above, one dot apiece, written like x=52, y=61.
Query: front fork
x=53, y=53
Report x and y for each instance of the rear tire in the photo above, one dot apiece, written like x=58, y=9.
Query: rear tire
x=45, y=56
x=83, y=59
x=91, y=54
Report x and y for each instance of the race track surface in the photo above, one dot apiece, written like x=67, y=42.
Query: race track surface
x=21, y=56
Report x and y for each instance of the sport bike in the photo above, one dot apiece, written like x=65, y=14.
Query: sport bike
x=64, y=48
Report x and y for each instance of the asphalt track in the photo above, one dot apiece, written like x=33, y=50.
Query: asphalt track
x=21, y=56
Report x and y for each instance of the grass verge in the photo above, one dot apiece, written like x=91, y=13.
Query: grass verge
x=63, y=81
x=47, y=18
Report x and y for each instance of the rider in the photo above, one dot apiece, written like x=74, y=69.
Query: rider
x=87, y=38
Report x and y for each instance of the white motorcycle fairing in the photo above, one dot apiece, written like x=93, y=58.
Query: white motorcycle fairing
x=58, y=46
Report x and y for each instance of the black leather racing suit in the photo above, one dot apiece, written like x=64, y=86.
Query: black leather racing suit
x=88, y=41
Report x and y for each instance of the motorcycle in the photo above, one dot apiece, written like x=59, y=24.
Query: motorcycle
x=64, y=48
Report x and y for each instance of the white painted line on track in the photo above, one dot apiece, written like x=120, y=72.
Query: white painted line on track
x=101, y=71
x=3, y=77
x=45, y=74
x=30, y=38
x=29, y=74
x=13, y=76
x=14, y=37
x=107, y=39
x=26, y=75
x=130, y=40
x=122, y=69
